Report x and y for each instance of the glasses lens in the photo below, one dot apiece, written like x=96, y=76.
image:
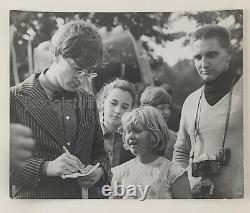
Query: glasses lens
x=80, y=73
x=92, y=75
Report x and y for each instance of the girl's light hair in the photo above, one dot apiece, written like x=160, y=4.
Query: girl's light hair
x=153, y=121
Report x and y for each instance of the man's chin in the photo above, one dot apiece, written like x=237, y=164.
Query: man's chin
x=208, y=78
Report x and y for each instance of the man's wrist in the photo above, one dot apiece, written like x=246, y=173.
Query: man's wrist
x=45, y=169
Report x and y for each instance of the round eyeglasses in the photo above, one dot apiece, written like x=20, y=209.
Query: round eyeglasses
x=80, y=72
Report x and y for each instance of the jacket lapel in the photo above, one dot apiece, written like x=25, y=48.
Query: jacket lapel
x=35, y=101
x=85, y=115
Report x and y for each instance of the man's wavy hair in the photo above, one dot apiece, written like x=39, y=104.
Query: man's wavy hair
x=212, y=31
x=79, y=41
x=153, y=121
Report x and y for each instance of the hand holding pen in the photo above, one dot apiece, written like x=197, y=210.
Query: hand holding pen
x=93, y=173
x=81, y=166
x=63, y=165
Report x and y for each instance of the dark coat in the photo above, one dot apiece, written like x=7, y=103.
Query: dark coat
x=28, y=106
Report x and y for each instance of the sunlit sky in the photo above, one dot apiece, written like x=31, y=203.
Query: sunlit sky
x=173, y=51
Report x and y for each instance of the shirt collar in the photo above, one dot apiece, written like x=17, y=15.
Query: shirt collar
x=106, y=132
x=47, y=85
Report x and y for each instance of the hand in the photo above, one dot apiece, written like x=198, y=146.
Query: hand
x=21, y=145
x=92, y=178
x=63, y=165
x=203, y=188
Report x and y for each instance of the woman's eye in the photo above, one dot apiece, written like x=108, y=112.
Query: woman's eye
x=113, y=103
x=125, y=108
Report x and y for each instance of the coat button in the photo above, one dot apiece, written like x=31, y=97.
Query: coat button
x=67, y=117
x=68, y=143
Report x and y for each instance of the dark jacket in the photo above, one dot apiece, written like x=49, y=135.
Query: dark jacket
x=28, y=106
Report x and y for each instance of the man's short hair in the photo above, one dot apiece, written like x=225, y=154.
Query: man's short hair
x=211, y=31
x=79, y=41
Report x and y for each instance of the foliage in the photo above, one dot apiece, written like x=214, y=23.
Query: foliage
x=155, y=27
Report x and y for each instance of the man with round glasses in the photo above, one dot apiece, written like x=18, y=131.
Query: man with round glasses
x=46, y=103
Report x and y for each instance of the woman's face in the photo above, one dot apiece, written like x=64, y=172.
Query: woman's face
x=138, y=139
x=165, y=110
x=116, y=104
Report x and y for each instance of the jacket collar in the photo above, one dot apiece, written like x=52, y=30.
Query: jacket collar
x=31, y=91
x=34, y=99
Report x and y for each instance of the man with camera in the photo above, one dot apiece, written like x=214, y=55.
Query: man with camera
x=210, y=138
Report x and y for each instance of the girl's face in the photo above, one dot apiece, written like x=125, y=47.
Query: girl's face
x=138, y=139
x=165, y=110
x=116, y=104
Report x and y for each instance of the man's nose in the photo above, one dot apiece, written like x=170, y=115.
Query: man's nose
x=204, y=63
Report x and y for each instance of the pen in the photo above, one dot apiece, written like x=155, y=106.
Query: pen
x=67, y=151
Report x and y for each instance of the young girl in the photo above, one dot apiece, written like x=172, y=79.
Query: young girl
x=161, y=100
x=114, y=100
x=146, y=134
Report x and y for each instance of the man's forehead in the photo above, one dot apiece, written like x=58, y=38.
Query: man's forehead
x=206, y=45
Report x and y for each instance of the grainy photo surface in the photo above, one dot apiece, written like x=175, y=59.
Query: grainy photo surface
x=135, y=105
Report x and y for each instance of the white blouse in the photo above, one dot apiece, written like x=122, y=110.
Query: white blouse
x=159, y=175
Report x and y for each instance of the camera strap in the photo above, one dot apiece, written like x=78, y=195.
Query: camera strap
x=197, y=117
x=228, y=114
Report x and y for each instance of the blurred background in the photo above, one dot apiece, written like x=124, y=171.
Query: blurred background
x=145, y=48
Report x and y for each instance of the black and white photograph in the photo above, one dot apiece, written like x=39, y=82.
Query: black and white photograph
x=126, y=105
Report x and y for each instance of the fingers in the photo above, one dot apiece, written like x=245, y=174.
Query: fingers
x=18, y=164
x=22, y=155
x=72, y=157
x=70, y=161
x=87, y=168
x=19, y=129
x=68, y=169
x=21, y=138
x=25, y=143
x=81, y=166
x=91, y=179
x=21, y=144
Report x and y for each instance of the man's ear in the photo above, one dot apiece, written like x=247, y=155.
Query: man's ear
x=230, y=52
